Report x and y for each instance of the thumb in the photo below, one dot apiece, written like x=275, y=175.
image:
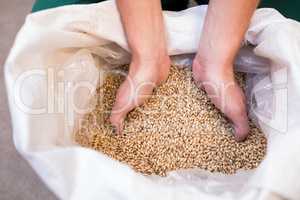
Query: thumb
x=131, y=94
x=122, y=105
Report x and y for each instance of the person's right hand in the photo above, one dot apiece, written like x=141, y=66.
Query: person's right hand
x=144, y=27
x=144, y=75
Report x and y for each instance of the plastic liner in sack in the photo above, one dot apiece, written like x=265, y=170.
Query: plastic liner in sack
x=256, y=68
x=60, y=52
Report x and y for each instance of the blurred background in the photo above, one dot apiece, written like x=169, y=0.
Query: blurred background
x=17, y=180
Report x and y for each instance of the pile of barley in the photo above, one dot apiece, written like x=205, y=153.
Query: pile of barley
x=177, y=128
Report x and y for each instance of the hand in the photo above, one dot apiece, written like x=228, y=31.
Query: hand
x=218, y=81
x=223, y=31
x=144, y=75
x=144, y=27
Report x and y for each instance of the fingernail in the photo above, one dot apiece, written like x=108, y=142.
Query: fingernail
x=114, y=129
x=238, y=136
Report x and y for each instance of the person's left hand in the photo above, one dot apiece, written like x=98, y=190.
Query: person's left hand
x=217, y=78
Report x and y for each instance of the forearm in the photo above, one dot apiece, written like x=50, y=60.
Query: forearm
x=144, y=27
x=224, y=28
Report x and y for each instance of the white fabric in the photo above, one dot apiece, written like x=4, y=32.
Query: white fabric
x=69, y=45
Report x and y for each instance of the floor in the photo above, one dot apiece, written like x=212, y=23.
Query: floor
x=17, y=180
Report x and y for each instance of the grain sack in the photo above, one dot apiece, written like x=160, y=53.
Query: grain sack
x=69, y=46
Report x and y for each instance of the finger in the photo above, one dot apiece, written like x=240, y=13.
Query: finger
x=130, y=95
x=236, y=111
x=122, y=105
x=241, y=129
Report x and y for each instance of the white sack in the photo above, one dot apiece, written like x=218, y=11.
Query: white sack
x=61, y=47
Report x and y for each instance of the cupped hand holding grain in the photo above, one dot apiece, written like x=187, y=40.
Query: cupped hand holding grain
x=225, y=94
x=224, y=28
x=225, y=25
x=138, y=86
x=150, y=64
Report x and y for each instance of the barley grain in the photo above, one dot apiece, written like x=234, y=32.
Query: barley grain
x=171, y=132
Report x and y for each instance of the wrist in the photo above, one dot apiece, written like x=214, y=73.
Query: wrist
x=218, y=51
x=216, y=56
x=210, y=61
x=153, y=58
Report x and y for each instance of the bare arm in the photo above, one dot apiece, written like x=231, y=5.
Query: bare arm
x=143, y=23
x=144, y=27
x=224, y=28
